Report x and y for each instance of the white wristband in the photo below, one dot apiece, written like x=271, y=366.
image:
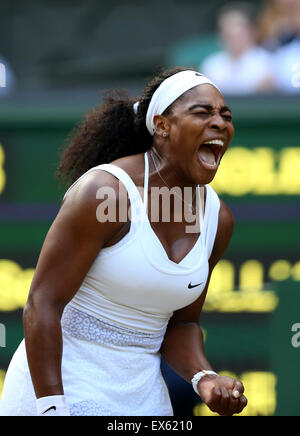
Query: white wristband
x=197, y=377
x=55, y=405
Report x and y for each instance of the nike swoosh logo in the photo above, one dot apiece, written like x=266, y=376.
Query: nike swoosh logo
x=50, y=408
x=190, y=286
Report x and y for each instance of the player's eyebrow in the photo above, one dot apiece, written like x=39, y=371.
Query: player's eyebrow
x=209, y=107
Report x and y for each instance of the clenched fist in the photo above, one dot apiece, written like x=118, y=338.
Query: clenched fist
x=222, y=394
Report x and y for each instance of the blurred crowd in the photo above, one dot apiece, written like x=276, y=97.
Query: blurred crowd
x=260, y=51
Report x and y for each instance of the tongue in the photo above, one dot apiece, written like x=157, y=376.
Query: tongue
x=207, y=155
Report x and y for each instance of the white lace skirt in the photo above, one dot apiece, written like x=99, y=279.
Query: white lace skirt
x=107, y=371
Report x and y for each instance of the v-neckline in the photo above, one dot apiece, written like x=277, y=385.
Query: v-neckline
x=163, y=250
x=156, y=238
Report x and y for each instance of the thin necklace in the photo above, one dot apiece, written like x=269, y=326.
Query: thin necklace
x=189, y=205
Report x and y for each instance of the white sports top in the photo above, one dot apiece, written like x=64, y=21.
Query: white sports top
x=134, y=284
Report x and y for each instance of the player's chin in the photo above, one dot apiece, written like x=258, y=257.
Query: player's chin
x=204, y=173
x=206, y=176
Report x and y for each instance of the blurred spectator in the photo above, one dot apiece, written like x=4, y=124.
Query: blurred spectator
x=276, y=23
x=287, y=67
x=242, y=67
x=7, y=78
x=287, y=57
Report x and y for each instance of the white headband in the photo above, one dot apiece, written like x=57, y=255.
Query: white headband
x=171, y=89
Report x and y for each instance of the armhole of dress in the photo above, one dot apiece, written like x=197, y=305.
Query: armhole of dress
x=212, y=218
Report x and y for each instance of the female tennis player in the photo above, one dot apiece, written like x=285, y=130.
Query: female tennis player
x=111, y=294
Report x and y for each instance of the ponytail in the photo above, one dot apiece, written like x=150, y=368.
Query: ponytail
x=106, y=134
x=109, y=132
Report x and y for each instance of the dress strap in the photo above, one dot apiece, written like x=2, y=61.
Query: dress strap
x=211, y=219
x=146, y=181
x=201, y=207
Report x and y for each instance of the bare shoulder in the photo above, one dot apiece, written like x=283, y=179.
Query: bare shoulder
x=86, y=191
x=80, y=209
x=224, y=233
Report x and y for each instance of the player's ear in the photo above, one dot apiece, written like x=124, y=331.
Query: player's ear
x=161, y=126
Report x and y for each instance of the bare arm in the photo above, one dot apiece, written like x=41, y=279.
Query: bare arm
x=72, y=244
x=183, y=347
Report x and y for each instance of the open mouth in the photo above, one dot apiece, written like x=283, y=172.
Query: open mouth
x=210, y=153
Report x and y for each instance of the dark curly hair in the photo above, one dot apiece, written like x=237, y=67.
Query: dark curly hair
x=112, y=130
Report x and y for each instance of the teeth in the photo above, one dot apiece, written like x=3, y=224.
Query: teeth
x=216, y=142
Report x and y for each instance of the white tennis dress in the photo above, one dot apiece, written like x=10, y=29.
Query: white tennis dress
x=115, y=324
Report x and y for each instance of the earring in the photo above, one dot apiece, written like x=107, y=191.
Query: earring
x=165, y=134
